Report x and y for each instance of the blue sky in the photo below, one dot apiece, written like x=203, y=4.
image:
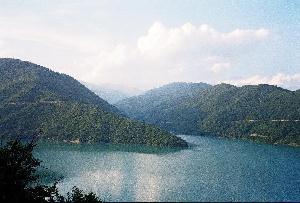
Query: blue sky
x=146, y=44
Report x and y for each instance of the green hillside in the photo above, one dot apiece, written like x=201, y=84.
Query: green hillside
x=166, y=107
x=259, y=112
x=35, y=100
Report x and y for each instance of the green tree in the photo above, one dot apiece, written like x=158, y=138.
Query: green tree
x=18, y=178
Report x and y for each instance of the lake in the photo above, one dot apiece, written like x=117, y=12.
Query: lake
x=212, y=169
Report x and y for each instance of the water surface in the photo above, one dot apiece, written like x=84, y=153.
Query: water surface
x=213, y=169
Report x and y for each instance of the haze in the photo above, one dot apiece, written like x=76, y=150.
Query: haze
x=145, y=44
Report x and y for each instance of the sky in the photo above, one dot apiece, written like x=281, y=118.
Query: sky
x=146, y=44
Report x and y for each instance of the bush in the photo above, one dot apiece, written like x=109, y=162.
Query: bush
x=18, y=178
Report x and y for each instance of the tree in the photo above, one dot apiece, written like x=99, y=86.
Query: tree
x=77, y=195
x=18, y=178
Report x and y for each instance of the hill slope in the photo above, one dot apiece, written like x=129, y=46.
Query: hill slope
x=35, y=99
x=165, y=107
x=263, y=112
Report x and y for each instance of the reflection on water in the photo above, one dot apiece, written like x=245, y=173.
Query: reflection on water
x=147, y=189
x=212, y=170
x=96, y=181
x=108, y=147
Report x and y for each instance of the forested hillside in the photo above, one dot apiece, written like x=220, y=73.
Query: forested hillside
x=166, y=107
x=260, y=112
x=35, y=100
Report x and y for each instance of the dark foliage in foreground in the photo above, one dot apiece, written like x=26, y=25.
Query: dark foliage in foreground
x=19, y=182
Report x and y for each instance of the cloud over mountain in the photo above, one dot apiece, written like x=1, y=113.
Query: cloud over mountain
x=161, y=55
x=184, y=53
x=291, y=81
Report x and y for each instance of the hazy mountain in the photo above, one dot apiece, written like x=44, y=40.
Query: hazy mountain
x=262, y=112
x=107, y=93
x=127, y=90
x=34, y=99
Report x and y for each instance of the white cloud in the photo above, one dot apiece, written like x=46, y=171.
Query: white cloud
x=219, y=67
x=3, y=50
x=161, y=40
x=280, y=79
x=162, y=55
x=184, y=53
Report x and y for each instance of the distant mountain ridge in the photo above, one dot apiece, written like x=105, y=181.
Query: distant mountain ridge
x=260, y=112
x=35, y=100
x=108, y=94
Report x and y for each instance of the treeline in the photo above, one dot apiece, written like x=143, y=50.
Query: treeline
x=85, y=123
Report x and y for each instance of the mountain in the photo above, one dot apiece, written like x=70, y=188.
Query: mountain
x=127, y=90
x=108, y=94
x=35, y=100
x=164, y=107
x=259, y=112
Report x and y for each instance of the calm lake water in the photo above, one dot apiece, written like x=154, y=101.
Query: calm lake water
x=212, y=169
